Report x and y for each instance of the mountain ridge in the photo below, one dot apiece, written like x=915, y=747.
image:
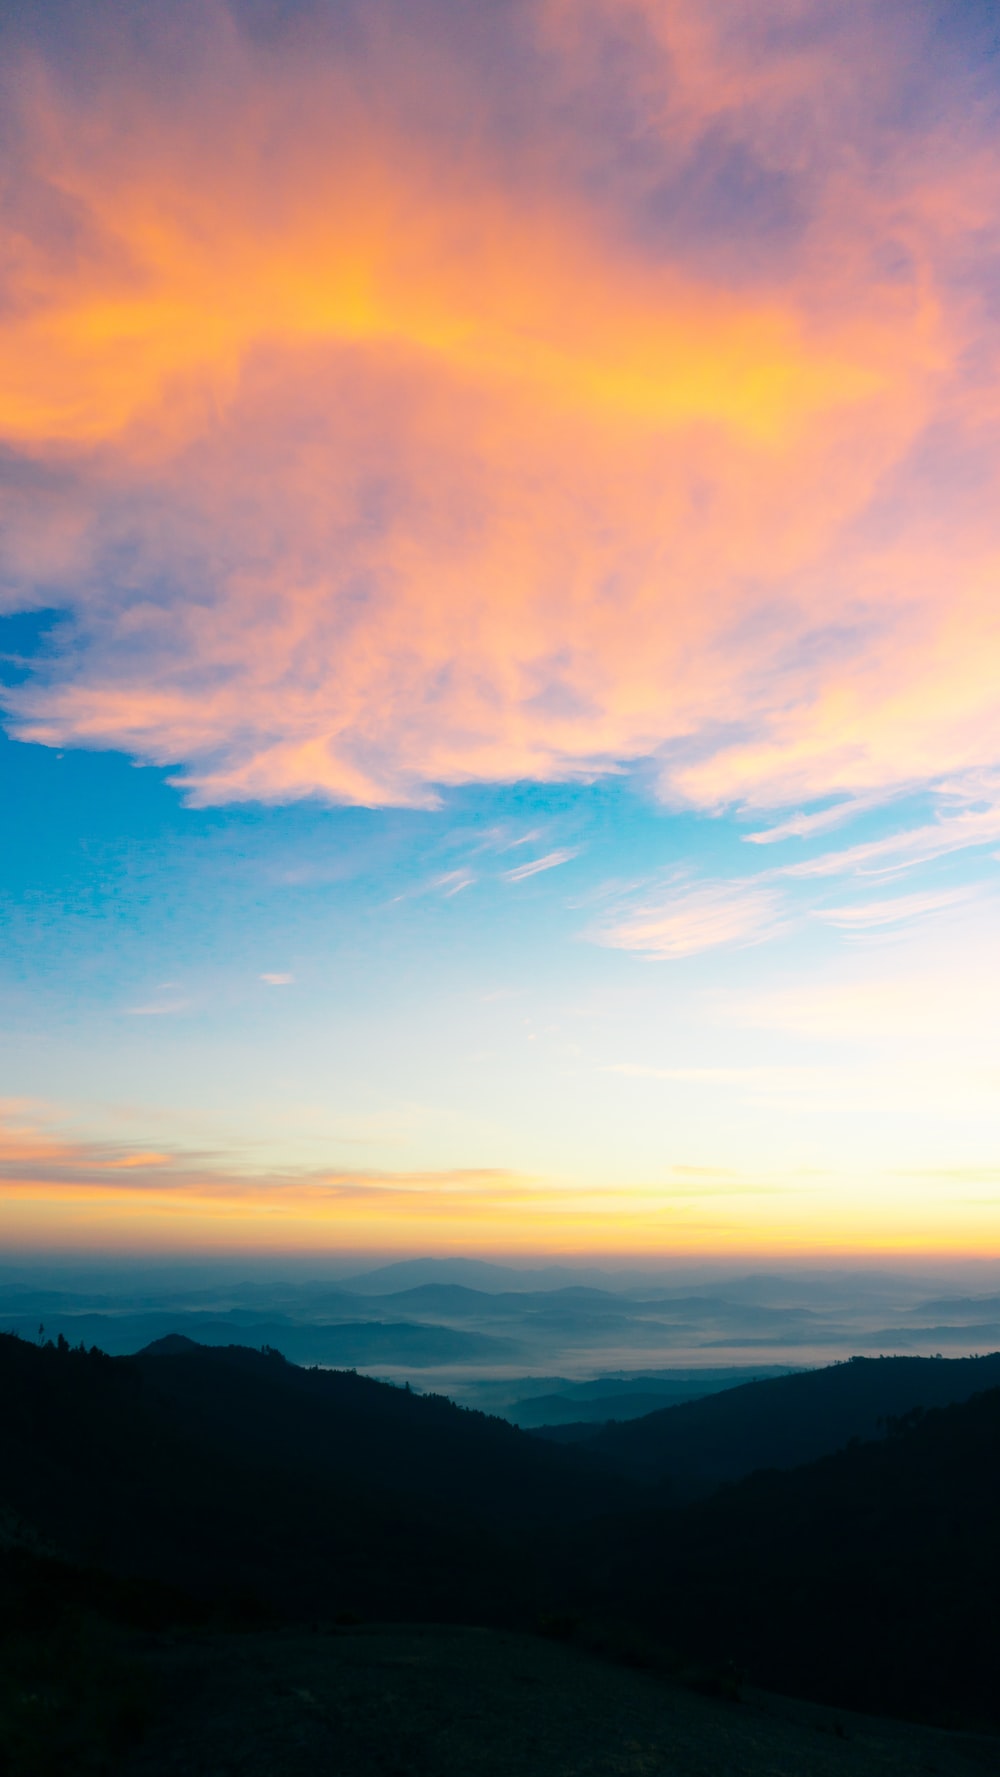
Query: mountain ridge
x=778, y=1421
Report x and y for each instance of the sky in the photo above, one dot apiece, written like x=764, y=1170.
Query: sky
x=499, y=627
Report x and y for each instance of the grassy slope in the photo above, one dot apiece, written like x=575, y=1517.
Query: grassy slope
x=434, y=1702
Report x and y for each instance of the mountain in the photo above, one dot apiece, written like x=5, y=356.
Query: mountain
x=348, y=1343
x=578, y=1408
x=415, y=1273
x=965, y=1307
x=230, y=1472
x=485, y=1275
x=576, y=1420
x=870, y=1577
x=783, y=1421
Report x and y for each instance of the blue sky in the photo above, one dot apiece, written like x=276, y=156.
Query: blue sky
x=290, y=990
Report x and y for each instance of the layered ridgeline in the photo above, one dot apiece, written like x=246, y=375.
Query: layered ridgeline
x=778, y=1422
x=254, y=1487
x=469, y=1325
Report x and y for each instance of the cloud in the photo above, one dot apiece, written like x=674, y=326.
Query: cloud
x=278, y=980
x=683, y=921
x=804, y=826
x=130, y=1161
x=870, y=915
x=769, y=1077
x=368, y=450
x=36, y=1156
x=895, y=852
x=158, y=1009
x=549, y=862
x=54, y=1187
x=58, y=1189
x=453, y=882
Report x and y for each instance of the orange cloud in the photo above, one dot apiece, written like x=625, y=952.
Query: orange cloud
x=57, y=1190
x=371, y=452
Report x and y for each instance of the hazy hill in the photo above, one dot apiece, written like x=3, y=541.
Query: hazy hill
x=472, y=1273
x=577, y=1418
x=963, y=1308
x=779, y=1422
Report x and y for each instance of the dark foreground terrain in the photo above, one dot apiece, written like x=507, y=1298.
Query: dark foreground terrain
x=454, y=1702
x=445, y=1701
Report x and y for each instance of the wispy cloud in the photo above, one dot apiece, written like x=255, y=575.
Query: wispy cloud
x=528, y=838
x=683, y=921
x=804, y=826
x=35, y=1154
x=104, y=1191
x=453, y=882
x=902, y=851
x=278, y=980
x=772, y=1077
x=134, y=1162
x=550, y=861
x=158, y=1009
x=870, y=915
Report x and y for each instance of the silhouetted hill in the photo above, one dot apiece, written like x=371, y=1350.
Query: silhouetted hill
x=342, y=1343
x=870, y=1577
x=230, y=1470
x=780, y=1422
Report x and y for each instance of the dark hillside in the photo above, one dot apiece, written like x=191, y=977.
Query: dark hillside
x=232, y=1472
x=871, y=1577
x=782, y=1421
x=334, y=1422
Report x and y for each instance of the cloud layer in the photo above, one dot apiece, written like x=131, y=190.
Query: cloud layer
x=407, y=396
x=60, y=1191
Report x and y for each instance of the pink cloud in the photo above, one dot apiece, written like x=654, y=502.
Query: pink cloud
x=682, y=921
x=365, y=465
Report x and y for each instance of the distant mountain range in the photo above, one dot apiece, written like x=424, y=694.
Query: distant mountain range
x=425, y=1320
